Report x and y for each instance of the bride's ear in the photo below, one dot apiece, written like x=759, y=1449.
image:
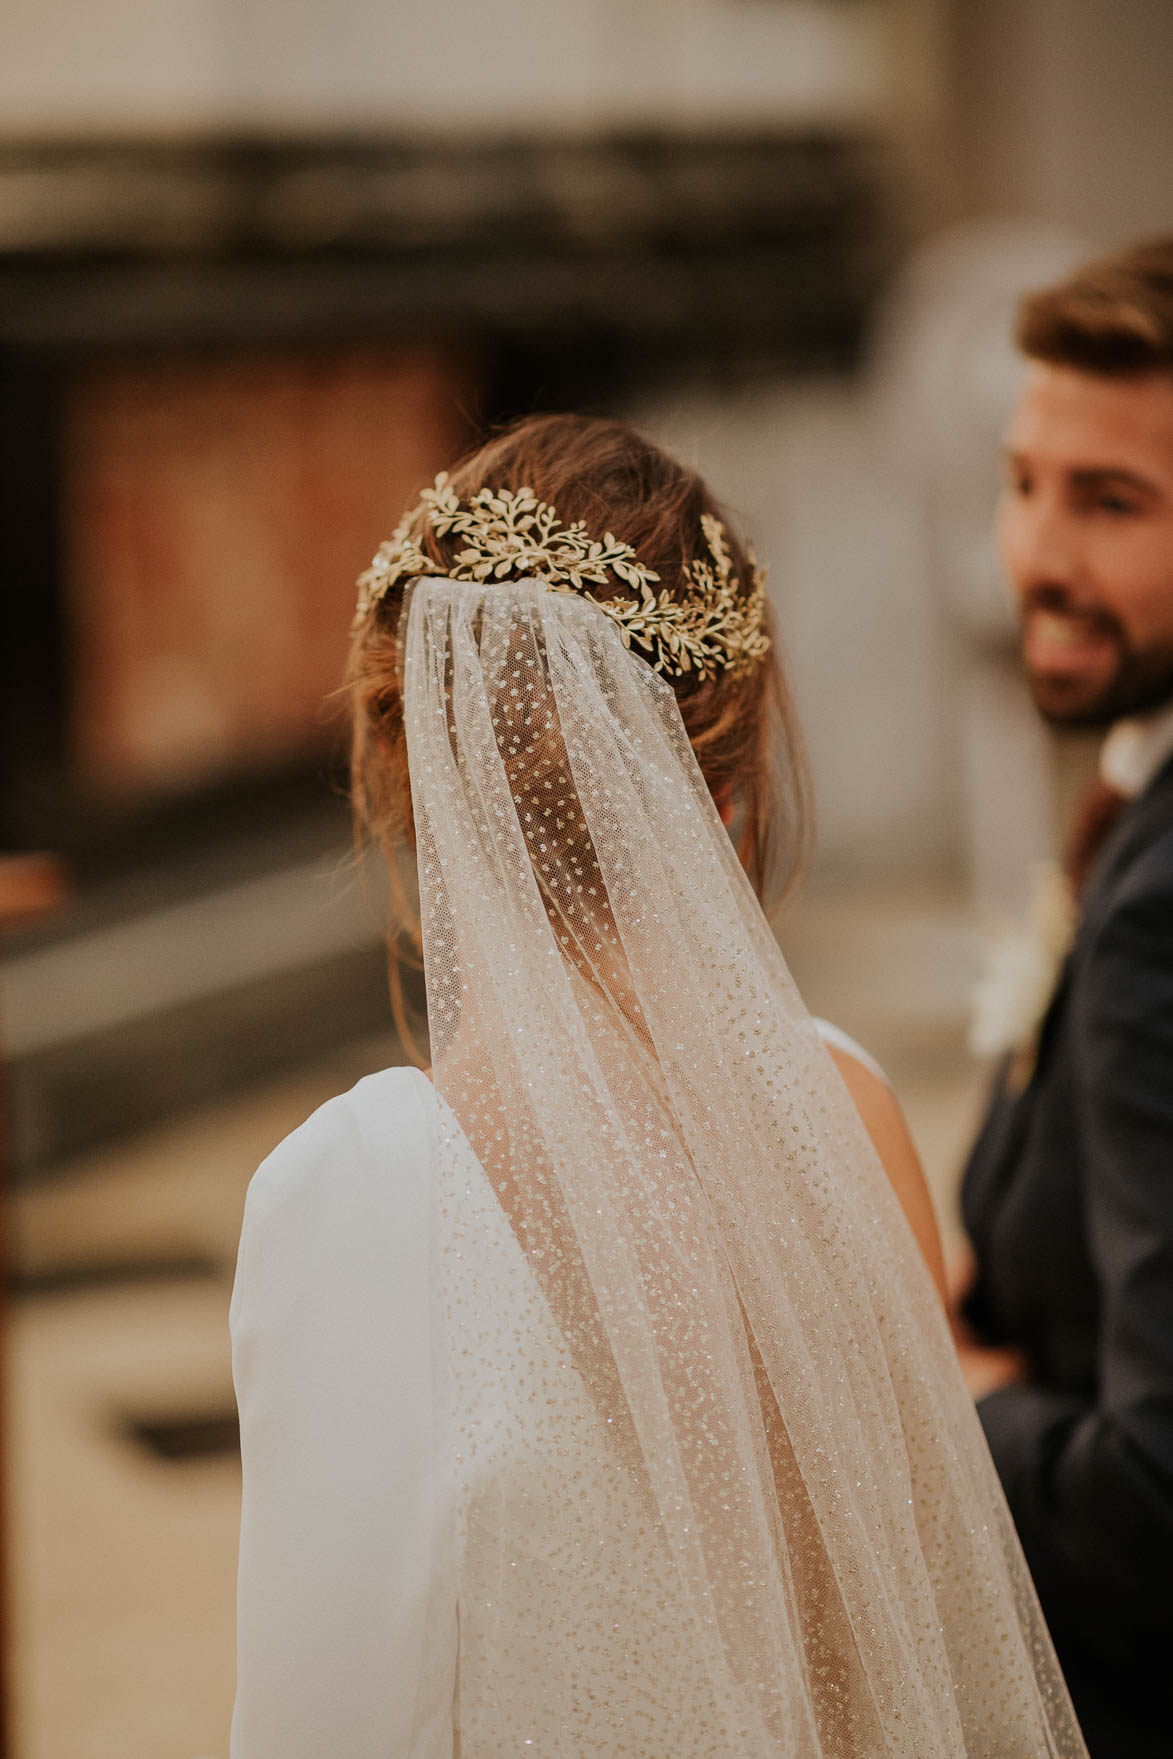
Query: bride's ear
x=723, y=800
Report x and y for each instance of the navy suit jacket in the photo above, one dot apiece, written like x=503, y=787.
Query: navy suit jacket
x=1068, y=1200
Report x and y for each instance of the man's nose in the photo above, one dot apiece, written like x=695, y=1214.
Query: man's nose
x=1039, y=548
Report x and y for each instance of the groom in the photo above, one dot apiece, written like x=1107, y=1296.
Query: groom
x=1067, y=1323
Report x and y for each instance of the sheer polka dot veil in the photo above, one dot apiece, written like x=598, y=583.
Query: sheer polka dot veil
x=717, y=1486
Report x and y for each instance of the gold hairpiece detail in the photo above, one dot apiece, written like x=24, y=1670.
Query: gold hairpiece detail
x=510, y=533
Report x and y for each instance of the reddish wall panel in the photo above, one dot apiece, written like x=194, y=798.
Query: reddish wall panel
x=217, y=513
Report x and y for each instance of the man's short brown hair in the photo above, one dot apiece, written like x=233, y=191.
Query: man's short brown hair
x=1113, y=316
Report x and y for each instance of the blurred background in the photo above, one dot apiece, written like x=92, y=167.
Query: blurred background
x=264, y=269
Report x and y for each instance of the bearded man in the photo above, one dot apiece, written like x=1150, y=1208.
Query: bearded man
x=1067, y=1320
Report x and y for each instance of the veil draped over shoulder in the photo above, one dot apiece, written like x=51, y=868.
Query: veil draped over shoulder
x=735, y=1500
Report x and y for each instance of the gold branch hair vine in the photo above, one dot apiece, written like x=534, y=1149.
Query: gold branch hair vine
x=510, y=534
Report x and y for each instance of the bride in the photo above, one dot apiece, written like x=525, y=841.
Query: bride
x=595, y=1397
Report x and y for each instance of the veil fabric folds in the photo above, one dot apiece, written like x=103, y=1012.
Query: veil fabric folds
x=736, y=1500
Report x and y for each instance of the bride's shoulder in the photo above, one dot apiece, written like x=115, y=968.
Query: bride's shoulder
x=836, y=1039
x=335, y=1218
x=381, y=1131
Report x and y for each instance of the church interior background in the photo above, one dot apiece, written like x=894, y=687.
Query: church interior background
x=264, y=268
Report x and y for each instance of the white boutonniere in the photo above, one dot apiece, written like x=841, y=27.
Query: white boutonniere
x=1020, y=969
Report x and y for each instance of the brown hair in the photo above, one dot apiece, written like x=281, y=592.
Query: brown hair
x=1113, y=316
x=741, y=728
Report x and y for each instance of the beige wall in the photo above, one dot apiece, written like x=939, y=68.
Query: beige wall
x=515, y=64
x=1065, y=109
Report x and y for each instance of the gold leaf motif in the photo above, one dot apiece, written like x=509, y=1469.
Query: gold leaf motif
x=510, y=532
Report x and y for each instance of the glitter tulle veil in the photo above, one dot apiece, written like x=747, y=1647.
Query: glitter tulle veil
x=731, y=1497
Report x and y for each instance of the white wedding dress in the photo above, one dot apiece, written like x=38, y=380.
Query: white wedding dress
x=348, y=1626
x=596, y=1403
x=347, y=1616
x=333, y=1364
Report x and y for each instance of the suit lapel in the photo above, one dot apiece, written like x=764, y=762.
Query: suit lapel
x=1138, y=826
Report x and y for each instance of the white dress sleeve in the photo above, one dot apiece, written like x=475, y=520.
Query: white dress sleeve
x=831, y=1034
x=334, y=1364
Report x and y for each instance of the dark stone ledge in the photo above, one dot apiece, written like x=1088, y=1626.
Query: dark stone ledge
x=773, y=239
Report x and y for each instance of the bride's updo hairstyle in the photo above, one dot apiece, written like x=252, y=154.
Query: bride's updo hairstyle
x=740, y=723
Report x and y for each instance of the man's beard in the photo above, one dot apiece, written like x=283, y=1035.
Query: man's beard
x=1142, y=680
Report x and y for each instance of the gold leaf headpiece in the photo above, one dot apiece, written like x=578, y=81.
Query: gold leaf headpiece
x=509, y=533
